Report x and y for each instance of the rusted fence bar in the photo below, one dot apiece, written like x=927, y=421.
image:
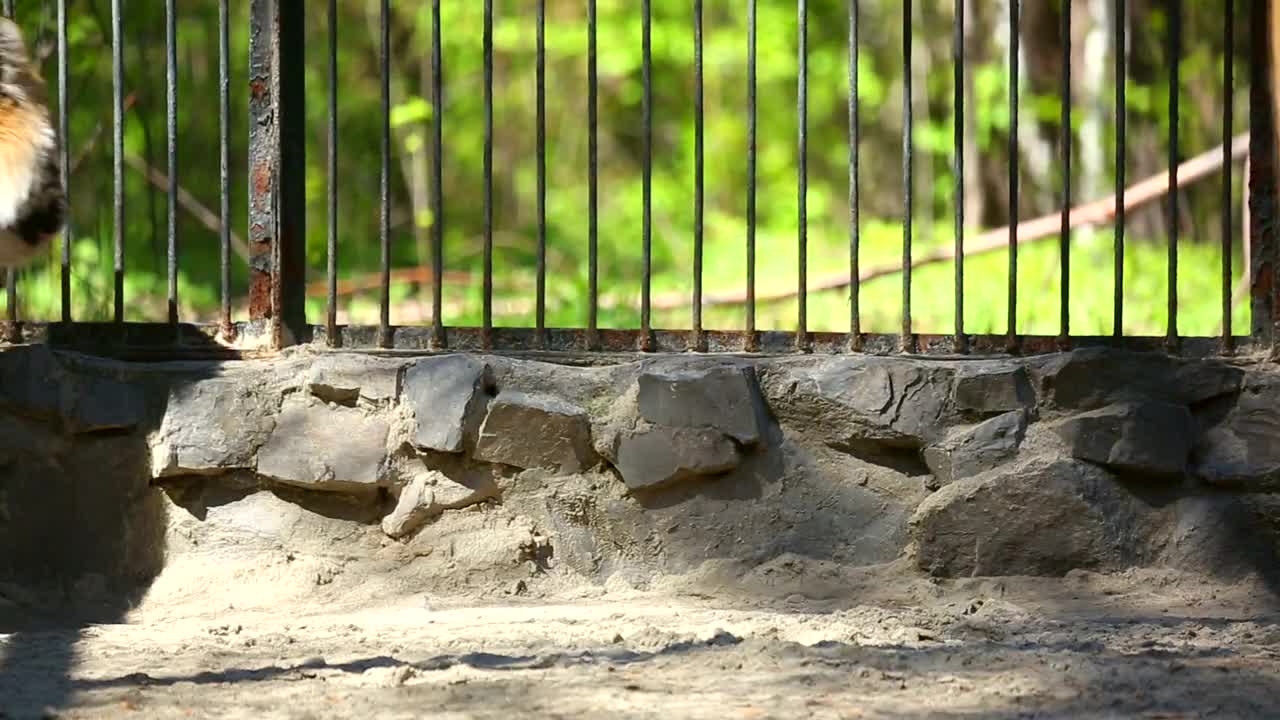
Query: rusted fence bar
x=64, y=160
x=1121, y=114
x=1064, y=238
x=1228, y=130
x=1263, y=245
x=1015, y=42
x=1175, y=65
x=331, y=190
x=958, y=59
x=908, y=177
x=384, y=174
x=802, y=175
x=855, y=229
x=277, y=168
x=224, y=163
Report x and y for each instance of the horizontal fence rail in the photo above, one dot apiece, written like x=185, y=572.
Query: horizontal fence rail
x=282, y=116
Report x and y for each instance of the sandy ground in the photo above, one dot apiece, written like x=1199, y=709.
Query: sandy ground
x=1139, y=645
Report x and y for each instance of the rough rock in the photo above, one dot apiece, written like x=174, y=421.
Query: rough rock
x=1000, y=389
x=873, y=402
x=1225, y=536
x=725, y=399
x=536, y=431
x=345, y=379
x=325, y=446
x=1044, y=517
x=271, y=520
x=30, y=382
x=1144, y=438
x=211, y=426
x=1091, y=378
x=102, y=404
x=1243, y=451
x=967, y=452
x=660, y=456
x=447, y=395
x=415, y=506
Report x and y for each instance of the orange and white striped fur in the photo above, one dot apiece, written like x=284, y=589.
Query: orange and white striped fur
x=33, y=203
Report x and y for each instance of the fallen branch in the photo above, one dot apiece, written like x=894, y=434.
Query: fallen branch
x=1094, y=213
x=129, y=101
x=373, y=281
x=204, y=215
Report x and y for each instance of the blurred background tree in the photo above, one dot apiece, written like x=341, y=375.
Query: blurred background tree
x=881, y=84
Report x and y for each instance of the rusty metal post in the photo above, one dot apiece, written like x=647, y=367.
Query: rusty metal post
x=1262, y=176
x=277, y=168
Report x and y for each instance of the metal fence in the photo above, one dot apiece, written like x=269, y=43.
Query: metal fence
x=276, y=216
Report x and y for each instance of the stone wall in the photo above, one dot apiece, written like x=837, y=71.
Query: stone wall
x=491, y=473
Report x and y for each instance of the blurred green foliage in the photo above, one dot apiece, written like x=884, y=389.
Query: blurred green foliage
x=880, y=81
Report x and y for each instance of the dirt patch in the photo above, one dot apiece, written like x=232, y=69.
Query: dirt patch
x=1143, y=644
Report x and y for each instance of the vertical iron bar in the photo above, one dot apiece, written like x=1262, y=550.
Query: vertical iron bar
x=593, y=170
x=1064, y=238
x=1015, y=11
x=331, y=246
x=1175, y=61
x=384, y=176
x=64, y=157
x=117, y=159
x=487, y=331
x=1122, y=114
x=224, y=163
x=12, y=333
x=1228, y=123
x=540, y=339
x=855, y=283
x=802, y=225
x=438, y=338
x=647, y=122
x=289, y=298
x=751, y=175
x=697, y=339
x=961, y=341
x=171, y=136
x=908, y=178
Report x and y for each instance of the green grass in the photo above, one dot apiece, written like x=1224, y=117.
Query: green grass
x=986, y=277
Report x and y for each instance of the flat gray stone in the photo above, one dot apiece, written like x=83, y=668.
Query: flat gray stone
x=104, y=405
x=1046, y=517
x=211, y=426
x=1243, y=451
x=30, y=382
x=870, y=404
x=967, y=452
x=659, y=456
x=447, y=395
x=998, y=389
x=1090, y=378
x=536, y=431
x=345, y=379
x=1145, y=438
x=725, y=399
x=325, y=447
